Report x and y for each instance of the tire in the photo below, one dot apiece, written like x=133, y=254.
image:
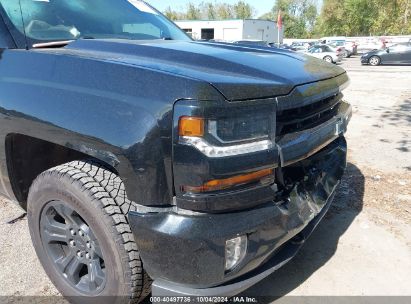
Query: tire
x=328, y=59
x=77, y=215
x=374, y=61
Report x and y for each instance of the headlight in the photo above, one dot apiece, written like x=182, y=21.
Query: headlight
x=236, y=129
x=226, y=136
x=222, y=146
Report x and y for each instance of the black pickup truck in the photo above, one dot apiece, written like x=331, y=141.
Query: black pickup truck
x=148, y=161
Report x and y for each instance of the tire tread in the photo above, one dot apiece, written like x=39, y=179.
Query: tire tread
x=108, y=189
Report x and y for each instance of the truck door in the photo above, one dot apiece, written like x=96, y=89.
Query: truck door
x=8, y=9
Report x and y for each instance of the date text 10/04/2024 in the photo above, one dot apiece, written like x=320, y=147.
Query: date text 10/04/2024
x=203, y=300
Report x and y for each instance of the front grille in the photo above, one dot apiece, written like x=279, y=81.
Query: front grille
x=307, y=117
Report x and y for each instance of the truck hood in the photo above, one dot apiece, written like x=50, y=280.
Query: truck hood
x=238, y=72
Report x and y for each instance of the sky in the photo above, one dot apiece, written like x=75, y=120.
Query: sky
x=262, y=6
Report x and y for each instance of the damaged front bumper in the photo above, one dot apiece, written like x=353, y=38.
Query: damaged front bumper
x=164, y=288
x=185, y=253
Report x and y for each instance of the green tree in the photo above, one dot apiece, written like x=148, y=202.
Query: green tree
x=311, y=15
x=404, y=17
x=359, y=16
x=364, y=17
x=224, y=11
x=243, y=10
x=392, y=18
x=211, y=12
x=171, y=14
x=332, y=19
x=267, y=16
x=193, y=12
x=299, y=17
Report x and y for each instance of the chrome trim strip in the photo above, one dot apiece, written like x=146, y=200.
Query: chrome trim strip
x=212, y=151
x=53, y=43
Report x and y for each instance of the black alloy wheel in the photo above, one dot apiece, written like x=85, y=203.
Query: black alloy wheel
x=72, y=247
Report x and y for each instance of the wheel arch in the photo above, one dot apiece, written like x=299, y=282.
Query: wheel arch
x=27, y=157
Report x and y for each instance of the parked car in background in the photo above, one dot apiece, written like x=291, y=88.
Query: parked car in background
x=302, y=46
x=284, y=47
x=351, y=47
x=325, y=53
x=258, y=43
x=328, y=40
x=339, y=49
x=396, y=54
x=300, y=49
x=368, y=46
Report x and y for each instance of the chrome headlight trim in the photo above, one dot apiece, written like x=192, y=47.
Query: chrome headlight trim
x=213, y=151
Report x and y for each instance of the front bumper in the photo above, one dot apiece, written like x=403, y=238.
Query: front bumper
x=163, y=288
x=185, y=254
x=364, y=60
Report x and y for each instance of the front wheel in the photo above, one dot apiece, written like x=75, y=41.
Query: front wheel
x=328, y=59
x=374, y=60
x=77, y=216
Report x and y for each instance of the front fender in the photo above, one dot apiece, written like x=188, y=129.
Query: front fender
x=118, y=113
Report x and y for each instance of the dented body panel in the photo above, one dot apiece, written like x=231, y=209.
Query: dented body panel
x=276, y=230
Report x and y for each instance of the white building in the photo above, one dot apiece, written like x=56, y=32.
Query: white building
x=232, y=30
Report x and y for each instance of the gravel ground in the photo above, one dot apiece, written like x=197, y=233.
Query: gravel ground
x=363, y=246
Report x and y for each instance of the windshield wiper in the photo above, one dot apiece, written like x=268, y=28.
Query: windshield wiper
x=51, y=44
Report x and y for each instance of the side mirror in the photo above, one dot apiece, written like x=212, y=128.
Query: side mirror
x=387, y=50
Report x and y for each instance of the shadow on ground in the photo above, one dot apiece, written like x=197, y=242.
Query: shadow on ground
x=399, y=116
x=321, y=246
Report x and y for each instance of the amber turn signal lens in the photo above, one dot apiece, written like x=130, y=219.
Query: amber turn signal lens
x=221, y=184
x=191, y=126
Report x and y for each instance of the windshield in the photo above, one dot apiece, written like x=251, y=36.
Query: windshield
x=54, y=20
